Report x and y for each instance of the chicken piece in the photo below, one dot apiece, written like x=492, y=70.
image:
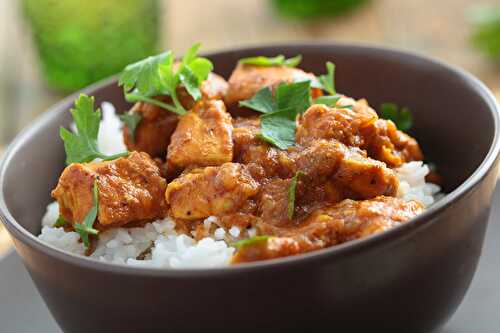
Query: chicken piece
x=263, y=160
x=152, y=134
x=130, y=190
x=361, y=177
x=331, y=225
x=246, y=80
x=359, y=127
x=210, y=191
x=203, y=137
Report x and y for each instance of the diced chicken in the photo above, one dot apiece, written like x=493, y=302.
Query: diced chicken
x=246, y=80
x=130, y=190
x=152, y=135
x=153, y=132
x=328, y=226
x=359, y=127
x=203, y=137
x=210, y=191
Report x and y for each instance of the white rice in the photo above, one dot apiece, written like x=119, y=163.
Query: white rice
x=158, y=243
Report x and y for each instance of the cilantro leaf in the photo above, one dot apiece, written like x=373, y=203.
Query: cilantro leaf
x=327, y=81
x=278, y=128
x=263, y=101
x=280, y=111
x=86, y=227
x=82, y=147
x=251, y=241
x=296, y=95
x=279, y=60
x=155, y=76
x=292, y=193
x=330, y=100
x=60, y=222
x=401, y=117
x=143, y=75
x=131, y=120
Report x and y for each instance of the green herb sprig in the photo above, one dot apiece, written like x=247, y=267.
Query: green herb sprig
x=292, y=189
x=60, y=222
x=326, y=82
x=401, y=117
x=280, y=111
x=86, y=228
x=279, y=60
x=82, y=146
x=155, y=76
x=251, y=241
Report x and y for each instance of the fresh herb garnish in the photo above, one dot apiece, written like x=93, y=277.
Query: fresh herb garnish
x=155, y=76
x=60, y=222
x=292, y=189
x=251, y=241
x=279, y=60
x=131, y=119
x=280, y=111
x=327, y=81
x=82, y=146
x=401, y=117
x=86, y=227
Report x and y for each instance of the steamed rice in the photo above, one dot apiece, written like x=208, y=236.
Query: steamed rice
x=159, y=245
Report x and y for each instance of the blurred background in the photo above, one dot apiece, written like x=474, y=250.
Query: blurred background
x=50, y=48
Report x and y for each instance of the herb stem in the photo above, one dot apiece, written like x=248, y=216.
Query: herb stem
x=131, y=97
x=113, y=157
x=177, y=104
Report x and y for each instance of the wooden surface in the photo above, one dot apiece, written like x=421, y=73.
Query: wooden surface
x=436, y=28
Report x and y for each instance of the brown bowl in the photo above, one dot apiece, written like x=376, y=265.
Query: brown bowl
x=409, y=279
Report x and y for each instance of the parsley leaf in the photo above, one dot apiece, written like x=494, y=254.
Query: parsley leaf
x=131, y=119
x=86, y=227
x=82, y=147
x=263, y=101
x=60, y=222
x=251, y=241
x=327, y=81
x=278, y=128
x=280, y=111
x=401, y=117
x=156, y=76
x=143, y=75
x=279, y=60
x=292, y=192
x=330, y=101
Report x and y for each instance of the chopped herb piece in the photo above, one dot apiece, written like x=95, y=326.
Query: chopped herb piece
x=86, y=227
x=131, y=120
x=279, y=60
x=251, y=241
x=278, y=128
x=60, y=222
x=327, y=81
x=262, y=101
x=82, y=146
x=280, y=111
x=155, y=76
x=401, y=117
x=330, y=101
x=292, y=192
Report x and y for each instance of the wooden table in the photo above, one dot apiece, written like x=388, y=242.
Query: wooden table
x=436, y=28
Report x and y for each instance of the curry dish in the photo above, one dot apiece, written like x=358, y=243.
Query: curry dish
x=334, y=182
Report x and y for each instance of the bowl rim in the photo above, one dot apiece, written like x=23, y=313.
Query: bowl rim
x=352, y=247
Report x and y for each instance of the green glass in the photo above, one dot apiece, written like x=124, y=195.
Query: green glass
x=310, y=9
x=82, y=41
